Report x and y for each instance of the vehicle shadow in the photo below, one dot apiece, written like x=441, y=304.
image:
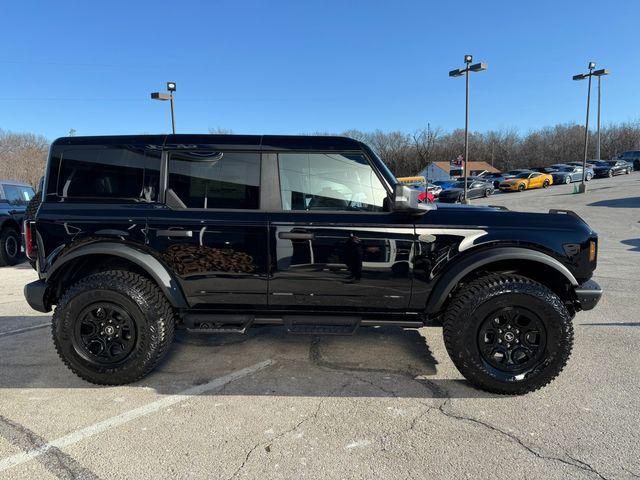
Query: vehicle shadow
x=633, y=242
x=374, y=362
x=631, y=202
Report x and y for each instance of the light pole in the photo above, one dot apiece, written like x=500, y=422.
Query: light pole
x=478, y=67
x=171, y=88
x=582, y=76
x=599, y=73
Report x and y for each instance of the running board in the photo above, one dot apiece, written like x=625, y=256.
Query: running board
x=294, y=324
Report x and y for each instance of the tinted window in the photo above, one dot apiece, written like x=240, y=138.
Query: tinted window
x=329, y=181
x=17, y=194
x=119, y=173
x=214, y=180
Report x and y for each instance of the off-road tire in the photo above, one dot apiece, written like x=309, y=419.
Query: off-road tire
x=148, y=307
x=9, y=236
x=475, y=301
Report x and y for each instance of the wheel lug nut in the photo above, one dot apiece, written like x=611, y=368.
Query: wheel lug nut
x=499, y=340
x=508, y=326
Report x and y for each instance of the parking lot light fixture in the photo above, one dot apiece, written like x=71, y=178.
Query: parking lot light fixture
x=477, y=67
x=582, y=76
x=171, y=88
x=599, y=73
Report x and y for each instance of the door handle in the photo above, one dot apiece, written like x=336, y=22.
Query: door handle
x=296, y=236
x=175, y=233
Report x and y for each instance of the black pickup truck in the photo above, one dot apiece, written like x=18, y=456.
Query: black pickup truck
x=14, y=197
x=139, y=235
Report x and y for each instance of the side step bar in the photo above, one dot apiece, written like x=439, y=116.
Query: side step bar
x=294, y=324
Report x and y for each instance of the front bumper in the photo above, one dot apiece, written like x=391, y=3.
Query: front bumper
x=35, y=293
x=588, y=294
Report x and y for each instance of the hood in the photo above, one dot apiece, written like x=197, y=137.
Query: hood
x=508, y=220
x=512, y=180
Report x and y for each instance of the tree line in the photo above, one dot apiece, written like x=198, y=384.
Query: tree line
x=406, y=154
x=23, y=155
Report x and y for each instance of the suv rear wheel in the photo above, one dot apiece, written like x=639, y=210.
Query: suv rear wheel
x=9, y=246
x=113, y=328
x=508, y=334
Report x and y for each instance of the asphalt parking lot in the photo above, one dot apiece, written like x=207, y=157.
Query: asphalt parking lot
x=384, y=403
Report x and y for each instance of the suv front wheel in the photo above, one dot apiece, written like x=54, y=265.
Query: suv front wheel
x=508, y=334
x=113, y=328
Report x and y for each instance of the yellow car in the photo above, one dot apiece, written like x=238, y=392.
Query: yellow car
x=525, y=181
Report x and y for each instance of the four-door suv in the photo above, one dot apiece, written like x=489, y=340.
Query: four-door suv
x=14, y=197
x=139, y=235
x=632, y=157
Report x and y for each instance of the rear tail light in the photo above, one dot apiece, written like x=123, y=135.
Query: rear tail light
x=30, y=246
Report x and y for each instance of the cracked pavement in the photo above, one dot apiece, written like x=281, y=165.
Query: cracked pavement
x=384, y=403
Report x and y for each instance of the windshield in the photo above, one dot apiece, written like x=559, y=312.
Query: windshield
x=565, y=169
x=602, y=163
x=461, y=184
x=611, y=163
x=523, y=175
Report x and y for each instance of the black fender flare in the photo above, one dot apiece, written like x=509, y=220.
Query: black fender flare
x=158, y=272
x=450, y=279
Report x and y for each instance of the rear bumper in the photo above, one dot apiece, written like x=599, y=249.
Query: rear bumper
x=35, y=293
x=588, y=294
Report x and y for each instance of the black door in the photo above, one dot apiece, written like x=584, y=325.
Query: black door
x=210, y=231
x=334, y=246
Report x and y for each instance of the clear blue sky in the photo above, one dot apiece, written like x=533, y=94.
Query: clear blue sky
x=308, y=66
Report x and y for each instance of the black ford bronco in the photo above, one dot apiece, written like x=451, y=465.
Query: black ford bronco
x=136, y=236
x=14, y=197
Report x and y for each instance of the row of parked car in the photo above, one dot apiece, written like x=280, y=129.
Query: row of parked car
x=518, y=180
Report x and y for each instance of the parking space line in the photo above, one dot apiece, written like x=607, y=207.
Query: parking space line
x=25, y=329
x=110, y=423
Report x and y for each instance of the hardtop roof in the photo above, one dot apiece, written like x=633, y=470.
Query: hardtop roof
x=259, y=142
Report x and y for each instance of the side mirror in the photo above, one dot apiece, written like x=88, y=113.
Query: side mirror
x=405, y=199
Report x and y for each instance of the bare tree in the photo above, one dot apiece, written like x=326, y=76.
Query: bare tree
x=22, y=156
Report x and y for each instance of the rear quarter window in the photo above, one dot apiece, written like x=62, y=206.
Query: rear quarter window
x=120, y=174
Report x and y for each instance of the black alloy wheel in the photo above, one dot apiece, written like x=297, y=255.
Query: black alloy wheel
x=512, y=339
x=545, y=184
x=104, y=334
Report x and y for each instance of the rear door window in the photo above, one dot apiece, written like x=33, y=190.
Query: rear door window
x=227, y=180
